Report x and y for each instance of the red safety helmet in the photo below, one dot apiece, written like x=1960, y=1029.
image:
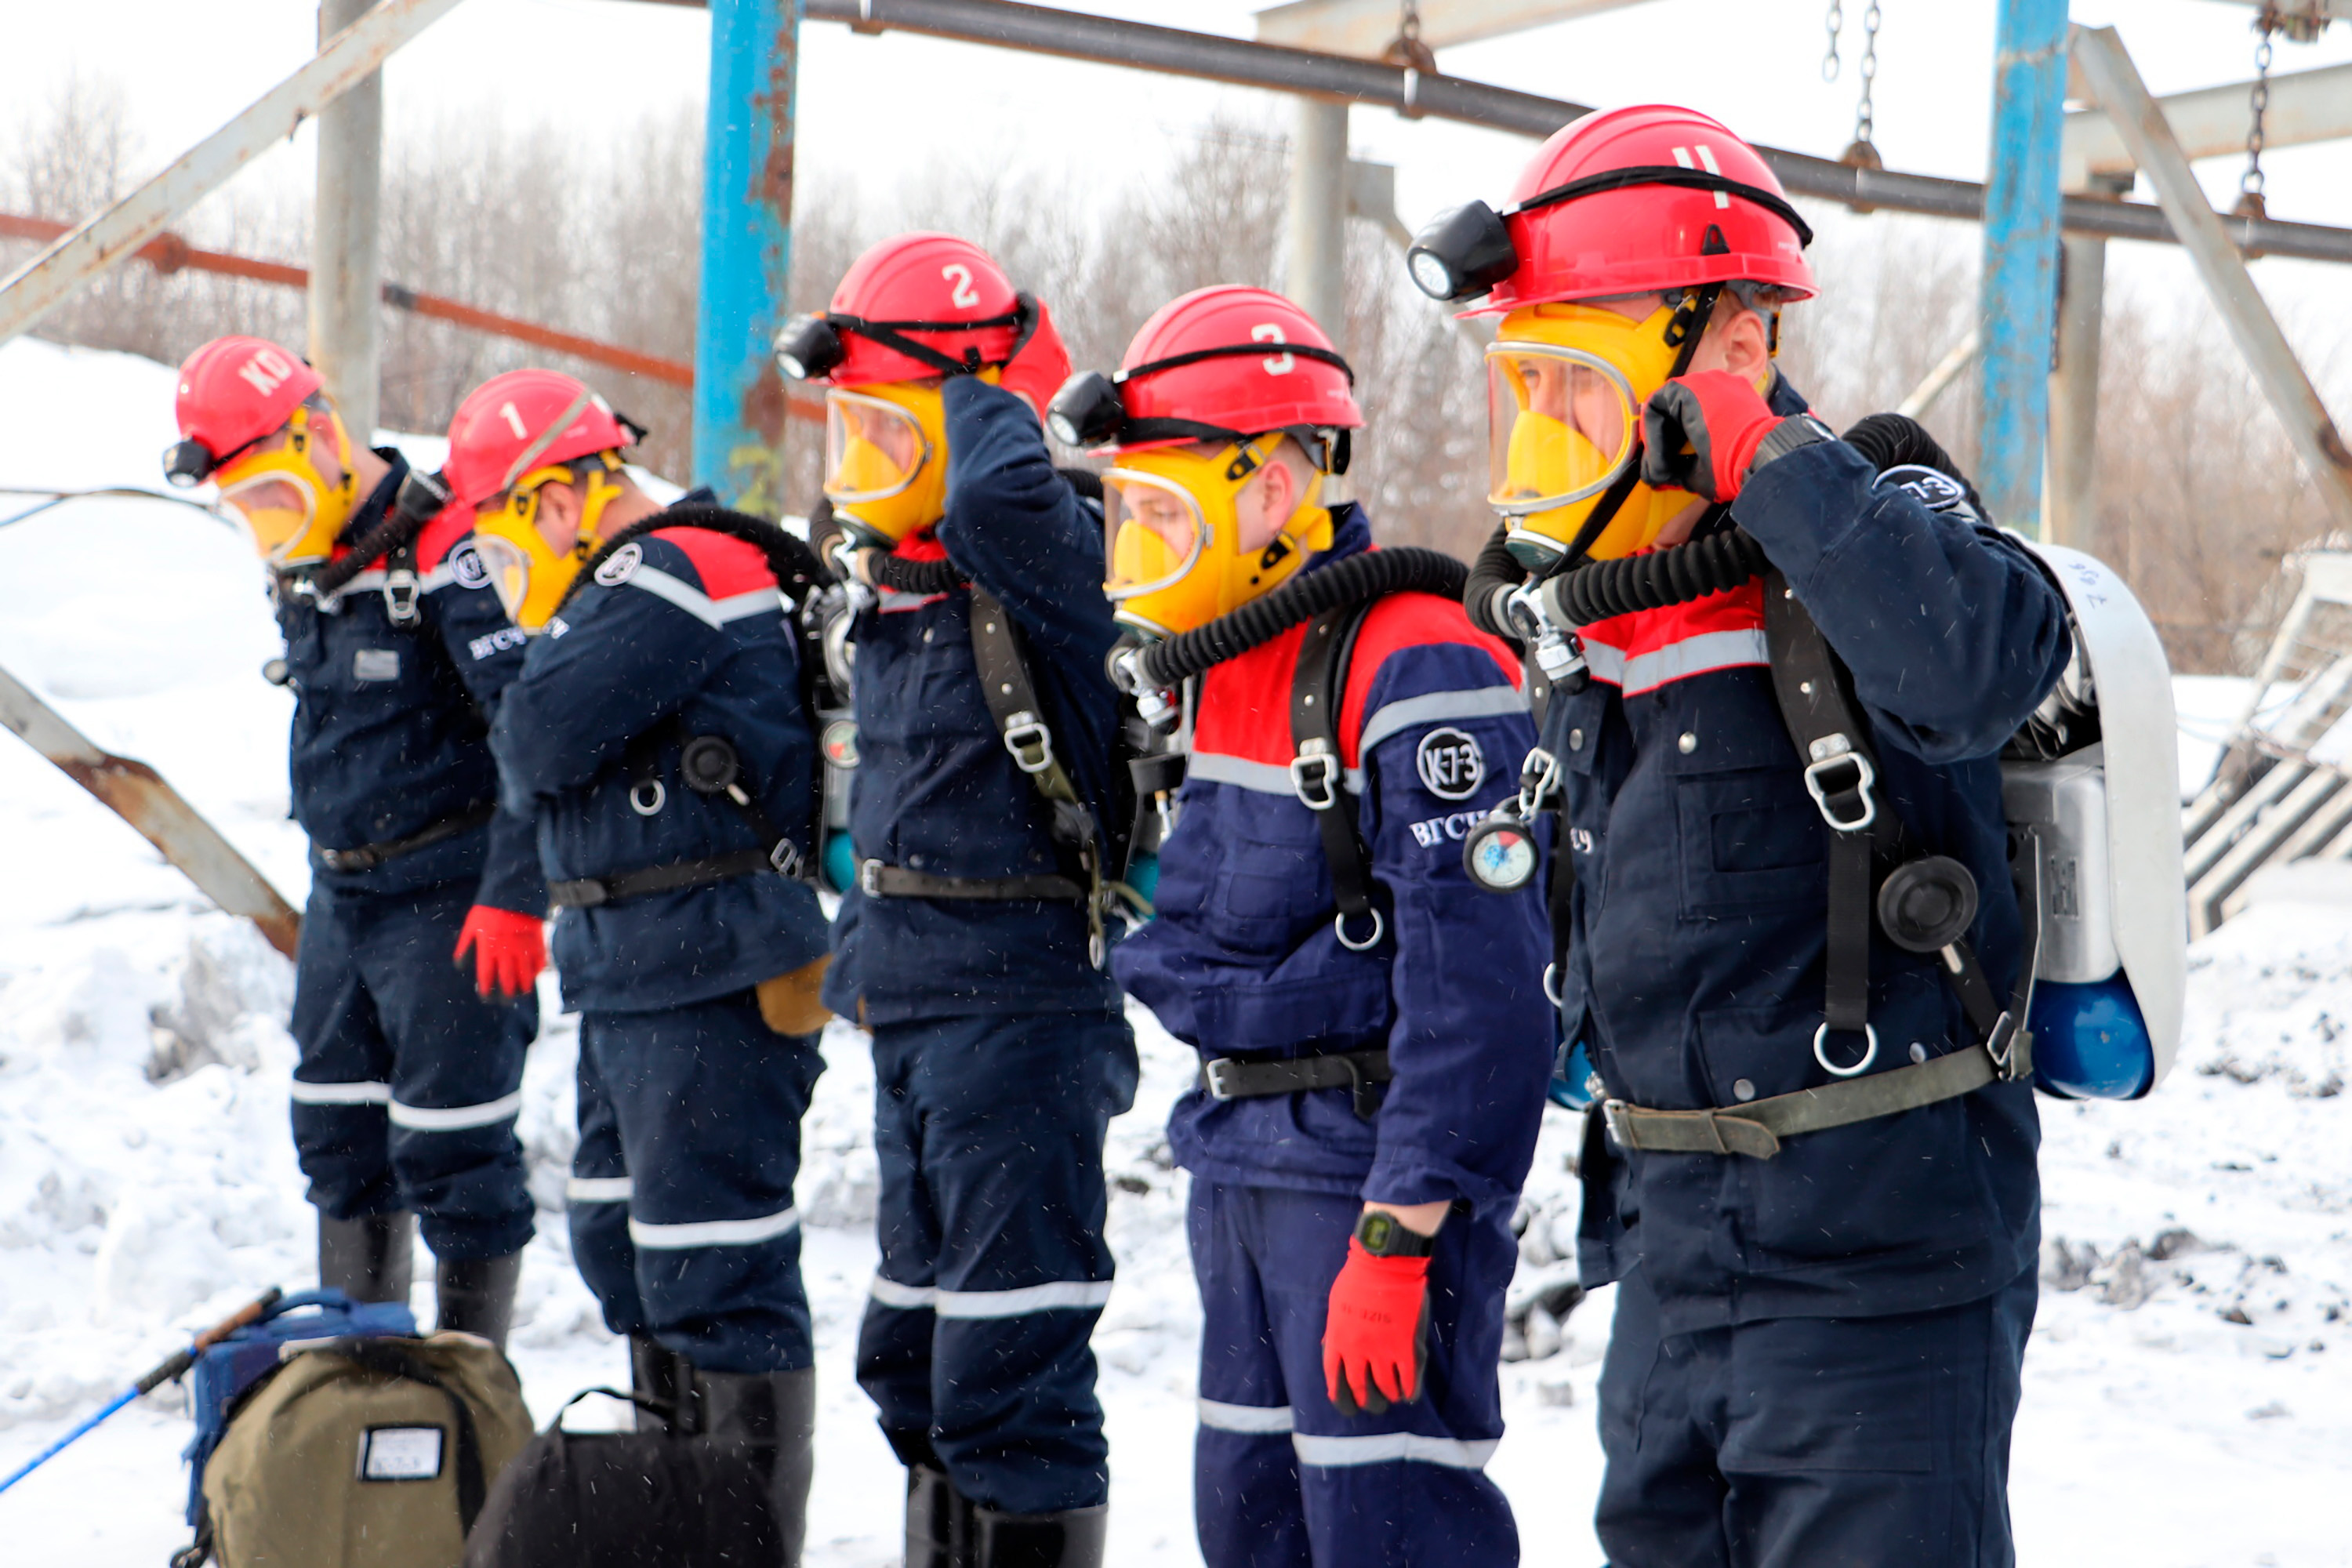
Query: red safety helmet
x=524, y=420
x=1223, y=363
x=1626, y=201
x=233, y=392
x=922, y=305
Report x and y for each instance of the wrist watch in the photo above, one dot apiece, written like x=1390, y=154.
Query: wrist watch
x=1384, y=1235
x=1797, y=430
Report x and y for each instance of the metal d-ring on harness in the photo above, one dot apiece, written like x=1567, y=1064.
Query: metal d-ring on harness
x=1318, y=774
x=708, y=765
x=1924, y=904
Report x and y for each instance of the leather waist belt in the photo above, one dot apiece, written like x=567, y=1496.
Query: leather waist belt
x=877, y=880
x=368, y=857
x=1756, y=1129
x=1230, y=1078
x=593, y=892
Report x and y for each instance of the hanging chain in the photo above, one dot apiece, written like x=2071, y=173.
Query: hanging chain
x=1835, y=23
x=1406, y=48
x=1862, y=123
x=2251, y=203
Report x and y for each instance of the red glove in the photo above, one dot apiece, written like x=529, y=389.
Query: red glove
x=1373, y=1340
x=510, y=950
x=1721, y=417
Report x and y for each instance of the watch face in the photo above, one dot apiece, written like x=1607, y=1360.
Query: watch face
x=1376, y=1231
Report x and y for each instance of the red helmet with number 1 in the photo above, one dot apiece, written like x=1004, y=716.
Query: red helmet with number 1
x=513, y=434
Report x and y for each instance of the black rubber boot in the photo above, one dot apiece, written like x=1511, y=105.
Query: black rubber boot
x=477, y=1295
x=939, y=1520
x=1071, y=1539
x=370, y=1259
x=662, y=1375
x=778, y=1408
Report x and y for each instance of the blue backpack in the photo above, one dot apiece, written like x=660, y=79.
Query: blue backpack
x=228, y=1369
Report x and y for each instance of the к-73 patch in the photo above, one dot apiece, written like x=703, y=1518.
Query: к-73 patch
x=1452, y=767
x=619, y=567
x=466, y=566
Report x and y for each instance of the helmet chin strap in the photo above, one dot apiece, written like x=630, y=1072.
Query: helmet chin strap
x=1684, y=327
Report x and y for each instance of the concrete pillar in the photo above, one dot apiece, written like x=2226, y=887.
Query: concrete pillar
x=2071, y=501
x=1318, y=274
x=346, y=266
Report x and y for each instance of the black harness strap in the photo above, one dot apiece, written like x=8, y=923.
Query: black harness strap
x=1319, y=773
x=594, y=892
x=1020, y=717
x=717, y=771
x=368, y=857
x=1362, y=1073
x=877, y=880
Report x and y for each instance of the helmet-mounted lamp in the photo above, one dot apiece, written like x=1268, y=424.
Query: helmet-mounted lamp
x=808, y=347
x=1462, y=253
x=1087, y=411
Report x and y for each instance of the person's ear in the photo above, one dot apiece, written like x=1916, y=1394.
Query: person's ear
x=560, y=511
x=1742, y=345
x=1273, y=497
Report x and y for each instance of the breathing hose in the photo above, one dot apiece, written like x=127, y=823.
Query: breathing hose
x=1369, y=575
x=1597, y=590
x=799, y=572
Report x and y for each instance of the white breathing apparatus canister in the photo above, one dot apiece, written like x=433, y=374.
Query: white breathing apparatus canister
x=2093, y=782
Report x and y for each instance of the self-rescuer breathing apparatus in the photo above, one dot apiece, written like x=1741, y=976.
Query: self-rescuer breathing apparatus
x=1649, y=201
x=910, y=312
x=511, y=436
x=235, y=395
x=1219, y=387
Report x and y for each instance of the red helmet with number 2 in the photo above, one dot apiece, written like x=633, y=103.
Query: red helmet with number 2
x=938, y=277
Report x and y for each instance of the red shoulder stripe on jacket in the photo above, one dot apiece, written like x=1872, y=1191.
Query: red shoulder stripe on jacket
x=728, y=566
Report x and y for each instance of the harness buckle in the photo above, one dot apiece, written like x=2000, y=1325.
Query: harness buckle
x=647, y=797
x=401, y=591
x=1315, y=776
x=1030, y=742
x=786, y=858
x=1838, y=773
x=869, y=879
x=1869, y=1051
x=1214, y=1077
x=1339, y=929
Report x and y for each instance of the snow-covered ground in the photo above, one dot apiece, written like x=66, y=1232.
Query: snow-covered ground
x=2189, y=1394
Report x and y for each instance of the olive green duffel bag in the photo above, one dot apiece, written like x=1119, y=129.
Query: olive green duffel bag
x=364, y=1453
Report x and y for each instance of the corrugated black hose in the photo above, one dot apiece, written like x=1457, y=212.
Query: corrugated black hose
x=1369, y=575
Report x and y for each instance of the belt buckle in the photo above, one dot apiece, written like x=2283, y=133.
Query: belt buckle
x=869, y=879
x=1212, y=1077
x=1620, y=1125
x=786, y=858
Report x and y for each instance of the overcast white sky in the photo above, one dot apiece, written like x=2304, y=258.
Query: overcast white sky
x=879, y=108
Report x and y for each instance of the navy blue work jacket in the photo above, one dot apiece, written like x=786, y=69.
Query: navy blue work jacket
x=1242, y=960
x=680, y=634
x=1696, y=966
x=391, y=723
x=934, y=789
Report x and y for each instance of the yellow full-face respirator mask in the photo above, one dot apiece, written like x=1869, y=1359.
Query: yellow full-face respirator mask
x=1171, y=516
x=1565, y=388
x=292, y=513
x=886, y=450
x=530, y=575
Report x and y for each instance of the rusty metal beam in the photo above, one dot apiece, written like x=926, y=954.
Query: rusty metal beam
x=168, y=253
x=347, y=59
x=137, y=794
x=2210, y=122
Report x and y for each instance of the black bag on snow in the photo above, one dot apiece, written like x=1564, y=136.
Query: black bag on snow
x=629, y=1500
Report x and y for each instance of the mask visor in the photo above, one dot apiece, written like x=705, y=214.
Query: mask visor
x=873, y=449
x=278, y=508
x=510, y=567
x=1153, y=532
x=1561, y=426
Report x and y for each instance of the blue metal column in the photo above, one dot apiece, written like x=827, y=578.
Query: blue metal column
x=746, y=216
x=2018, y=305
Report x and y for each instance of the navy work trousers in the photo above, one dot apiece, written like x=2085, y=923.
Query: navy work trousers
x=975, y=1344
x=409, y=1082
x=1812, y=1442
x=1281, y=1479
x=681, y=1194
